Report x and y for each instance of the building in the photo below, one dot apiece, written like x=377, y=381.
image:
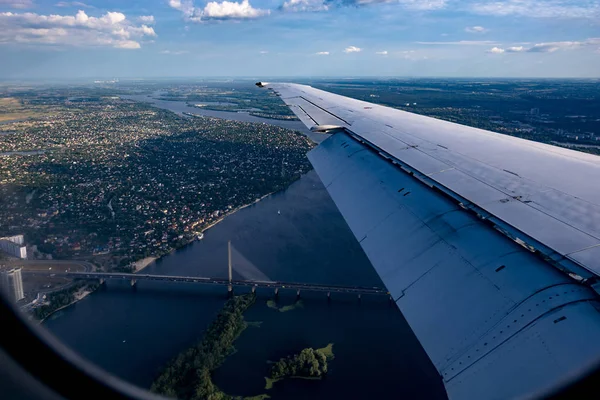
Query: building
x=11, y=283
x=14, y=246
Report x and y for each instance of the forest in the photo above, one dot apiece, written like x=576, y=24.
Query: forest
x=188, y=376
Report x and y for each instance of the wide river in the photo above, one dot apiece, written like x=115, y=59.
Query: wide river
x=294, y=235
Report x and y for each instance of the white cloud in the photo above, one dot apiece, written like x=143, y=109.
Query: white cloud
x=322, y=53
x=538, y=8
x=496, y=50
x=16, y=3
x=417, y=5
x=232, y=10
x=218, y=11
x=111, y=29
x=324, y=5
x=475, y=29
x=127, y=44
x=174, y=52
x=461, y=43
x=72, y=4
x=263, y=52
x=304, y=5
x=352, y=49
x=185, y=6
x=147, y=19
x=382, y=53
x=550, y=47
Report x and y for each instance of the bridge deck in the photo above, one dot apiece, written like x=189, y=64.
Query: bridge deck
x=217, y=281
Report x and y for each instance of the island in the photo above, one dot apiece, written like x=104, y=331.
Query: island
x=308, y=364
x=188, y=376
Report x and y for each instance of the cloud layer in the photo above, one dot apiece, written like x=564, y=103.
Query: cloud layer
x=16, y=3
x=538, y=8
x=214, y=10
x=111, y=29
x=549, y=47
x=72, y=4
x=304, y=5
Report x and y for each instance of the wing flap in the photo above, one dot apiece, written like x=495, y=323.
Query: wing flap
x=472, y=296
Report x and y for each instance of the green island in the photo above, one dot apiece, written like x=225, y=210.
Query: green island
x=188, y=376
x=308, y=364
x=272, y=304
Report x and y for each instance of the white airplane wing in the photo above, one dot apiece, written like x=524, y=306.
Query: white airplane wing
x=489, y=244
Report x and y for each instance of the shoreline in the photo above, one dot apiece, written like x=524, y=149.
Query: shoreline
x=78, y=296
x=143, y=263
x=212, y=224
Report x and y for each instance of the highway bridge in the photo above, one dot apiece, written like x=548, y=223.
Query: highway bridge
x=229, y=283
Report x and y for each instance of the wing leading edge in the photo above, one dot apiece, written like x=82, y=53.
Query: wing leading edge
x=486, y=242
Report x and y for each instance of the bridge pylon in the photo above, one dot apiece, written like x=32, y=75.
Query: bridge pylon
x=230, y=286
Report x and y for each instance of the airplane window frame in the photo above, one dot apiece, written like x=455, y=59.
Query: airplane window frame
x=44, y=365
x=52, y=364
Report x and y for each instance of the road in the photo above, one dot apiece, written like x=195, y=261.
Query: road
x=44, y=265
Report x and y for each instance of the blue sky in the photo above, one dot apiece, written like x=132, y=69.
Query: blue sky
x=274, y=38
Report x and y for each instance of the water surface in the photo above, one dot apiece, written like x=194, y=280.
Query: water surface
x=294, y=235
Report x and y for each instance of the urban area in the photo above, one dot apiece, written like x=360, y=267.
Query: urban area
x=90, y=181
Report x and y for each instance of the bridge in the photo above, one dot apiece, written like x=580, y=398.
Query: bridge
x=230, y=284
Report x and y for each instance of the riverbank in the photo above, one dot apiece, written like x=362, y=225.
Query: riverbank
x=64, y=298
x=143, y=263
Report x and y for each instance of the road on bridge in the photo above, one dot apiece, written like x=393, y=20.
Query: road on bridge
x=298, y=286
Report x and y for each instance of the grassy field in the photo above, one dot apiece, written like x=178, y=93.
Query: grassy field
x=12, y=109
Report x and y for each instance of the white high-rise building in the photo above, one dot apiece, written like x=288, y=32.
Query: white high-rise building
x=14, y=246
x=11, y=283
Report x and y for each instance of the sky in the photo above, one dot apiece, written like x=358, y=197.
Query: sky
x=286, y=38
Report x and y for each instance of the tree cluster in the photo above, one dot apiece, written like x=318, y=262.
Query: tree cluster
x=308, y=363
x=61, y=298
x=188, y=376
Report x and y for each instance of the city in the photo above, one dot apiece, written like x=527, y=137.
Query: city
x=113, y=181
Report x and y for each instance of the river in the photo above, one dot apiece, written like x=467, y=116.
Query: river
x=181, y=107
x=294, y=235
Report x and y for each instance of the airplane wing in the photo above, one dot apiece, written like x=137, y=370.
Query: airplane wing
x=488, y=244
